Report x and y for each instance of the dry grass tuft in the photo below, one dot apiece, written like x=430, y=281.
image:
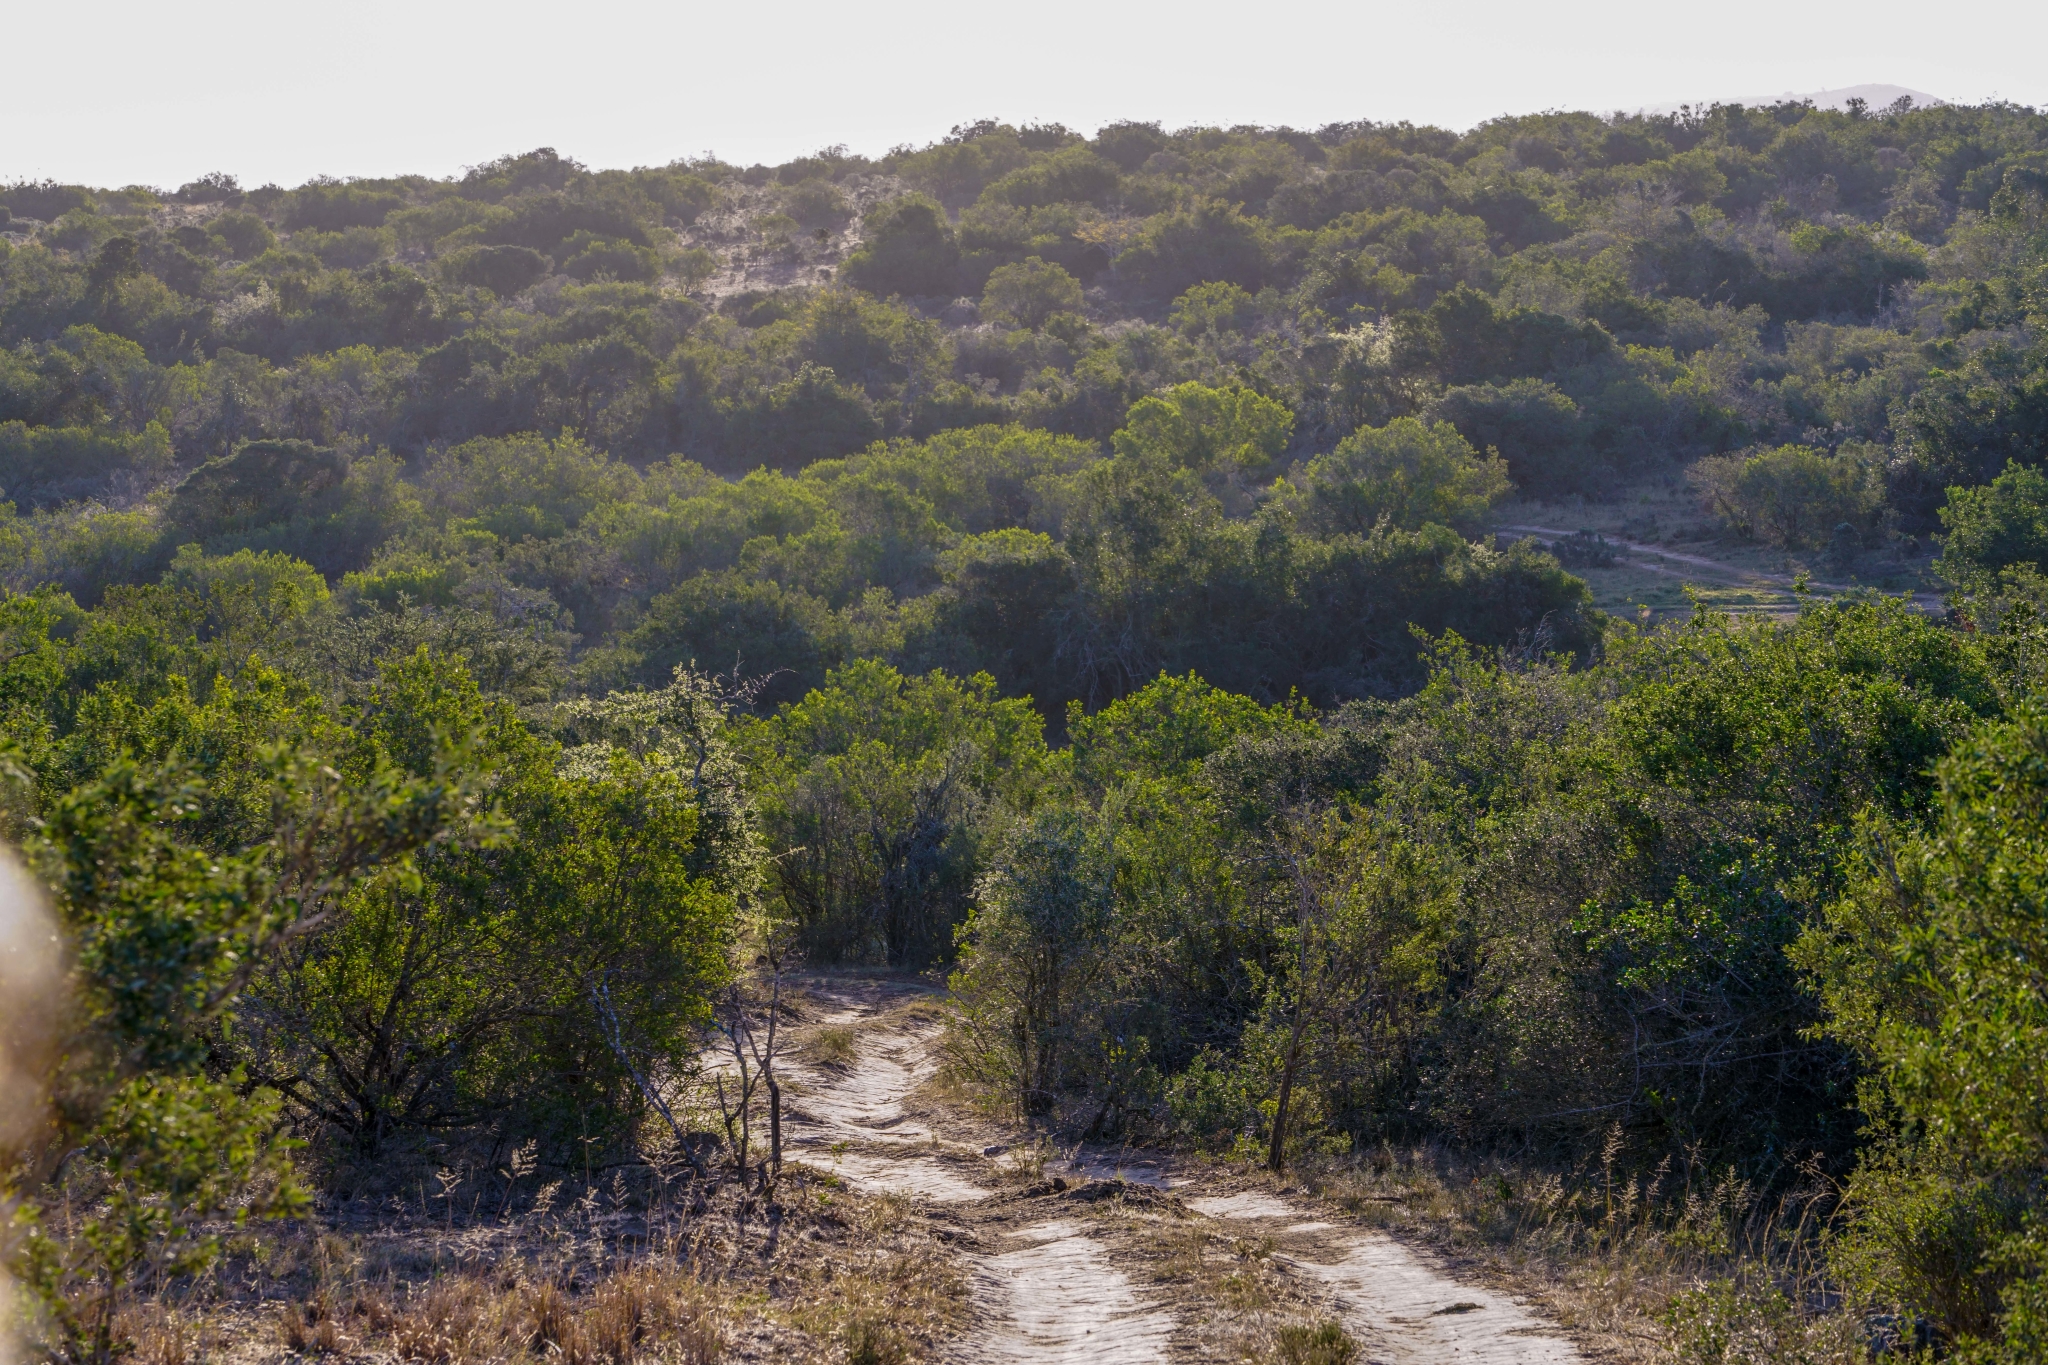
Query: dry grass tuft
x=683, y=1276
x=1326, y=1343
x=1608, y=1251
x=157, y=1336
x=870, y=1339
x=834, y=1048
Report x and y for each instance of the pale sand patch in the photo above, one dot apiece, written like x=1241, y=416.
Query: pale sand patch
x=926, y=1177
x=1404, y=1310
x=1248, y=1204
x=862, y=1108
x=1063, y=1301
x=1408, y=1312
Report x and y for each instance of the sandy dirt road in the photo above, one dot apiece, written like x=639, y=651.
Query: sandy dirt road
x=1055, y=1289
x=1658, y=559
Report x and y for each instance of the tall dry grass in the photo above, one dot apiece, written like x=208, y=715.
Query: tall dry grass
x=1678, y=1259
x=624, y=1271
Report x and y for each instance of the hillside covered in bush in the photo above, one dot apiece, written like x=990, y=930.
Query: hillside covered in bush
x=454, y=630
x=1070, y=410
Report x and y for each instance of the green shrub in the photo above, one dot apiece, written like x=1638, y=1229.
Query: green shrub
x=1794, y=496
x=1922, y=1243
x=501, y=269
x=1409, y=472
x=907, y=248
x=1029, y=292
x=1324, y=1344
x=816, y=205
x=44, y=465
x=1996, y=525
x=1726, y=1323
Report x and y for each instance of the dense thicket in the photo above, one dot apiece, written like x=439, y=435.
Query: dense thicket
x=1590, y=299
x=449, y=622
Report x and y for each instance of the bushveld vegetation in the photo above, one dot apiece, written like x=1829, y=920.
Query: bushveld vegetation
x=453, y=627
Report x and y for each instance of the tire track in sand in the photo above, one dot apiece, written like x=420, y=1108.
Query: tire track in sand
x=1055, y=1297
x=1401, y=1309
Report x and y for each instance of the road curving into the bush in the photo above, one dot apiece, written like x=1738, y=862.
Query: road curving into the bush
x=1053, y=1289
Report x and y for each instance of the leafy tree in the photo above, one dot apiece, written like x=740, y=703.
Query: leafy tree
x=1028, y=293
x=1967, y=424
x=730, y=620
x=1923, y=963
x=1213, y=309
x=874, y=789
x=817, y=205
x=1410, y=472
x=1793, y=495
x=465, y=993
x=1357, y=898
x=243, y=235
x=503, y=270
x=168, y=932
x=1996, y=526
x=261, y=483
x=1033, y=957
x=1538, y=431
x=587, y=256
x=1194, y=427
x=1208, y=240
x=45, y=465
x=334, y=207
x=907, y=248
x=527, y=481
x=1167, y=729
x=811, y=416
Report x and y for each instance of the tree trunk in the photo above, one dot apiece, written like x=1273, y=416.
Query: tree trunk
x=1276, y=1155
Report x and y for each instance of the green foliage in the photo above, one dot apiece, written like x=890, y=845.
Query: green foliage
x=465, y=996
x=1726, y=1323
x=180, y=1155
x=501, y=269
x=1167, y=729
x=817, y=204
x=526, y=485
x=1028, y=293
x=1930, y=977
x=172, y=905
x=1194, y=427
x=1968, y=423
x=811, y=416
x=262, y=483
x=1996, y=526
x=879, y=786
x=907, y=248
x=1409, y=472
x=1537, y=431
x=1036, y=936
x=587, y=256
x=46, y=464
x=1324, y=1344
x=733, y=620
x=1925, y=1242
x=242, y=235
x=352, y=483
x=1793, y=496
x=1208, y=240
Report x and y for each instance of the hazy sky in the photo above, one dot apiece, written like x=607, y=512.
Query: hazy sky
x=124, y=92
